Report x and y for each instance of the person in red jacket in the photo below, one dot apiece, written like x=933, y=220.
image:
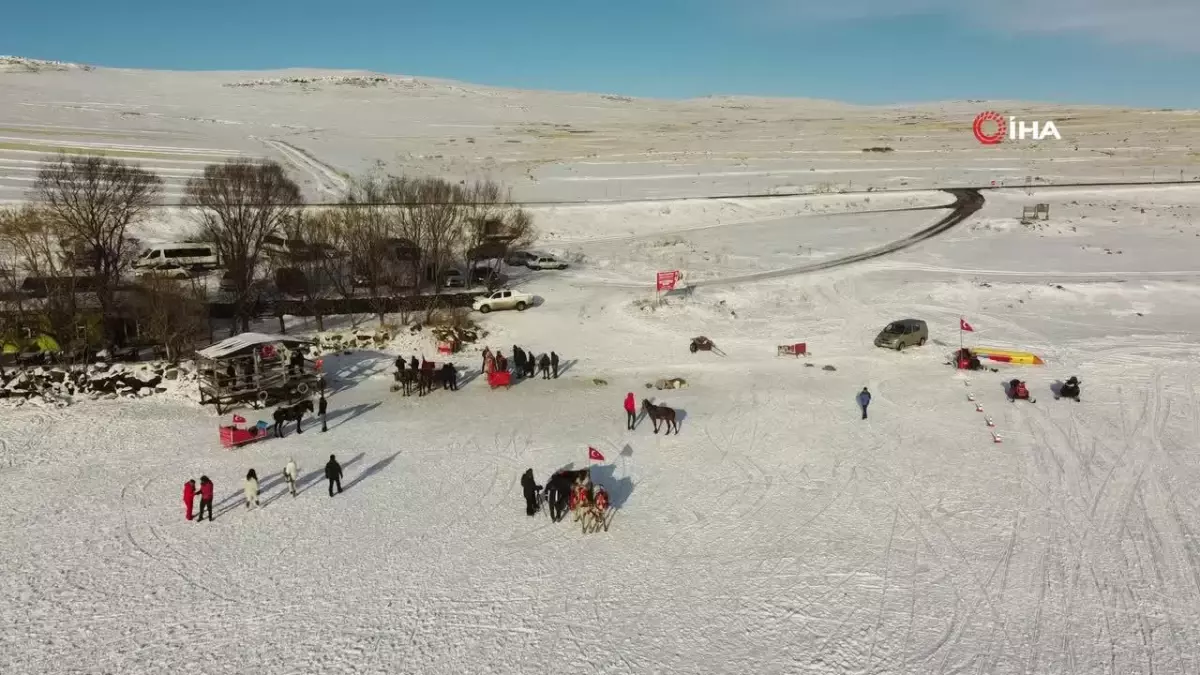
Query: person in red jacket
x=206, y=498
x=630, y=411
x=189, y=496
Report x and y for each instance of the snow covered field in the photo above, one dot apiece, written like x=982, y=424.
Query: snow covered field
x=778, y=533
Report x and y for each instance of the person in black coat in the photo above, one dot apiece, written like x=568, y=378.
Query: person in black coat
x=544, y=366
x=322, y=406
x=530, y=488
x=518, y=361
x=554, y=363
x=414, y=364
x=530, y=365
x=333, y=472
x=449, y=377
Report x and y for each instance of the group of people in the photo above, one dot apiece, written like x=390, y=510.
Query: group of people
x=250, y=489
x=524, y=363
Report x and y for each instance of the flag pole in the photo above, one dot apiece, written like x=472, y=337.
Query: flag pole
x=960, y=333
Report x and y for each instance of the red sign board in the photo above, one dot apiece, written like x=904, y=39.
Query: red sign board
x=666, y=280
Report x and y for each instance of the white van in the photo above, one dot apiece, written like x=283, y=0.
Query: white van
x=186, y=256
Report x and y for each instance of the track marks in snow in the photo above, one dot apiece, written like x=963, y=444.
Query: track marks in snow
x=328, y=179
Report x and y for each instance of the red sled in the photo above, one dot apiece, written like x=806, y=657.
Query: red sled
x=500, y=378
x=799, y=349
x=232, y=436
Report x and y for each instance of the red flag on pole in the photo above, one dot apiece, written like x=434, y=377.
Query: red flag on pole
x=594, y=454
x=963, y=325
x=238, y=419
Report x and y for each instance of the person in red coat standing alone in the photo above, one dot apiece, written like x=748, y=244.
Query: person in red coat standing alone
x=630, y=411
x=189, y=496
x=206, y=497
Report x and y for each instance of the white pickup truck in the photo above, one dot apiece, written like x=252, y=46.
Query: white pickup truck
x=503, y=299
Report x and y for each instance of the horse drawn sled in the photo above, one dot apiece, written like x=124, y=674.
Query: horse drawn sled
x=701, y=343
x=589, y=502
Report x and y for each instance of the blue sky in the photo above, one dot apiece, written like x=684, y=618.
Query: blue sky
x=1124, y=52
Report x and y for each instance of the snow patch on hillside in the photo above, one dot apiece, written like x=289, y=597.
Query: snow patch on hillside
x=20, y=64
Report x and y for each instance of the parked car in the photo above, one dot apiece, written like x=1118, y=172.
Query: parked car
x=520, y=258
x=903, y=333
x=503, y=299
x=546, y=262
x=453, y=279
x=166, y=272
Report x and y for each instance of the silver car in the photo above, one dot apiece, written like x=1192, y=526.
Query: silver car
x=903, y=333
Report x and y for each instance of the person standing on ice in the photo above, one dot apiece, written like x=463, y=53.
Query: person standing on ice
x=554, y=363
x=189, y=496
x=864, y=400
x=519, y=361
x=530, y=488
x=322, y=406
x=291, y=474
x=630, y=411
x=333, y=472
x=206, y=498
x=251, y=488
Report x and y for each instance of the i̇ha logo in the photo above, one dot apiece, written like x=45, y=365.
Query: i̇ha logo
x=990, y=128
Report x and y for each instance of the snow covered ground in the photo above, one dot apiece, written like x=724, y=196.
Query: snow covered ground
x=778, y=533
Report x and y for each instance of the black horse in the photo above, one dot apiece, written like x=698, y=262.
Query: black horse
x=407, y=380
x=449, y=377
x=558, y=490
x=296, y=411
x=426, y=378
x=660, y=413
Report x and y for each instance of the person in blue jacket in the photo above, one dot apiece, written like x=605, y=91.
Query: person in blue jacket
x=864, y=399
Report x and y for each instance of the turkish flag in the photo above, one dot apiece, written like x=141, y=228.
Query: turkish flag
x=238, y=419
x=963, y=325
x=594, y=454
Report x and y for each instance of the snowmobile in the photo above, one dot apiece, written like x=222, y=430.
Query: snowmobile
x=1018, y=390
x=1069, y=389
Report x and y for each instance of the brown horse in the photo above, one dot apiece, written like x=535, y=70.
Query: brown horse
x=660, y=413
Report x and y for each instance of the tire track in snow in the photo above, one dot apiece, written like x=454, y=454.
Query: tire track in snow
x=327, y=178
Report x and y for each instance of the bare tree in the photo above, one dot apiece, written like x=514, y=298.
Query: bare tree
x=239, y=204
x=172, y=312
x=41, y=295
x=314, y=270
x=94, y=201
x=494, y=225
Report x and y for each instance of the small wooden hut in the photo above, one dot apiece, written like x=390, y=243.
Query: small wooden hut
x=253, y=367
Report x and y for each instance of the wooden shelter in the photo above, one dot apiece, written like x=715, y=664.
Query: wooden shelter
x=253, y=367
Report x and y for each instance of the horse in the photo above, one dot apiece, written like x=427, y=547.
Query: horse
x=407, y=380
x=449, y=377
x=559, y=488
x=660, y=413
x=291, y=412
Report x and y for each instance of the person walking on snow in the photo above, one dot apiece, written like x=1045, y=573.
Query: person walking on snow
x=554, y=363
x=544, y=366
x=333, y=472
x=291, y=474
x=251, y=488
x=206, y=498
x=322, y=406
x=630, y=411
x=189, y=496
x=864, y=399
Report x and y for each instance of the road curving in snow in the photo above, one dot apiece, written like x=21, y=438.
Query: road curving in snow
x=967, y=201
